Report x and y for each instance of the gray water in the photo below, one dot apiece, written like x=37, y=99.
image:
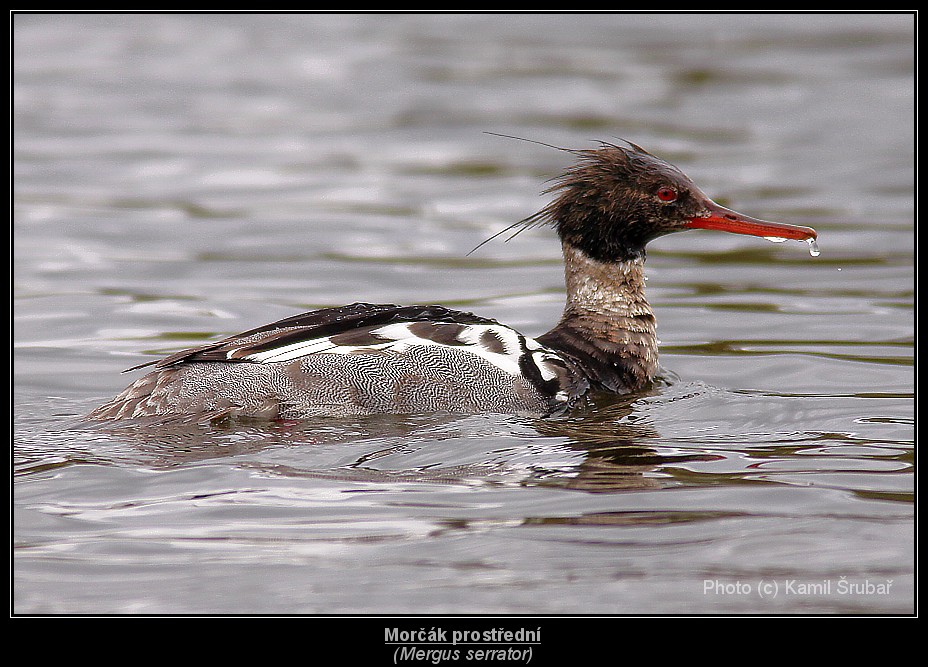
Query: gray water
x=179, y=178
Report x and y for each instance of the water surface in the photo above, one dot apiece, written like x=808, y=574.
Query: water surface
x=179, y=178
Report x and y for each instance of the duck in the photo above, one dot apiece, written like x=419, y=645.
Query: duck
x=368, y=358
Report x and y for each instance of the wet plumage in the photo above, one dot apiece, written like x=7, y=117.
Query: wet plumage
x=383, y=358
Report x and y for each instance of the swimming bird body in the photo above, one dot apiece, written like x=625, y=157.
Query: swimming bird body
x=383, y=358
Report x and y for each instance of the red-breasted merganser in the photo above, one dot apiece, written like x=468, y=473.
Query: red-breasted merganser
x=366, y=358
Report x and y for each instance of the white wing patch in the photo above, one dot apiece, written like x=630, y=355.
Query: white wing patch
x=307, y=347
x=470, y=339
x=502, y=347
x=498, y=345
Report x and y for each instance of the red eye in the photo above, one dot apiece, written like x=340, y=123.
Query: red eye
x=667, y=194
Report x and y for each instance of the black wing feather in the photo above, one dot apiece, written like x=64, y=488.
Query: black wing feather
x=312, y=325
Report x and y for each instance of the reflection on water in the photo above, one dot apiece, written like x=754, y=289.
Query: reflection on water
x=179, y=178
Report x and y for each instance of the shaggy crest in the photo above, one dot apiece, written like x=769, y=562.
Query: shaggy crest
x=596, y=195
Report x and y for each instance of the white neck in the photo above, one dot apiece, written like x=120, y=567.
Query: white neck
x=607, y=327
x=610, y=291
